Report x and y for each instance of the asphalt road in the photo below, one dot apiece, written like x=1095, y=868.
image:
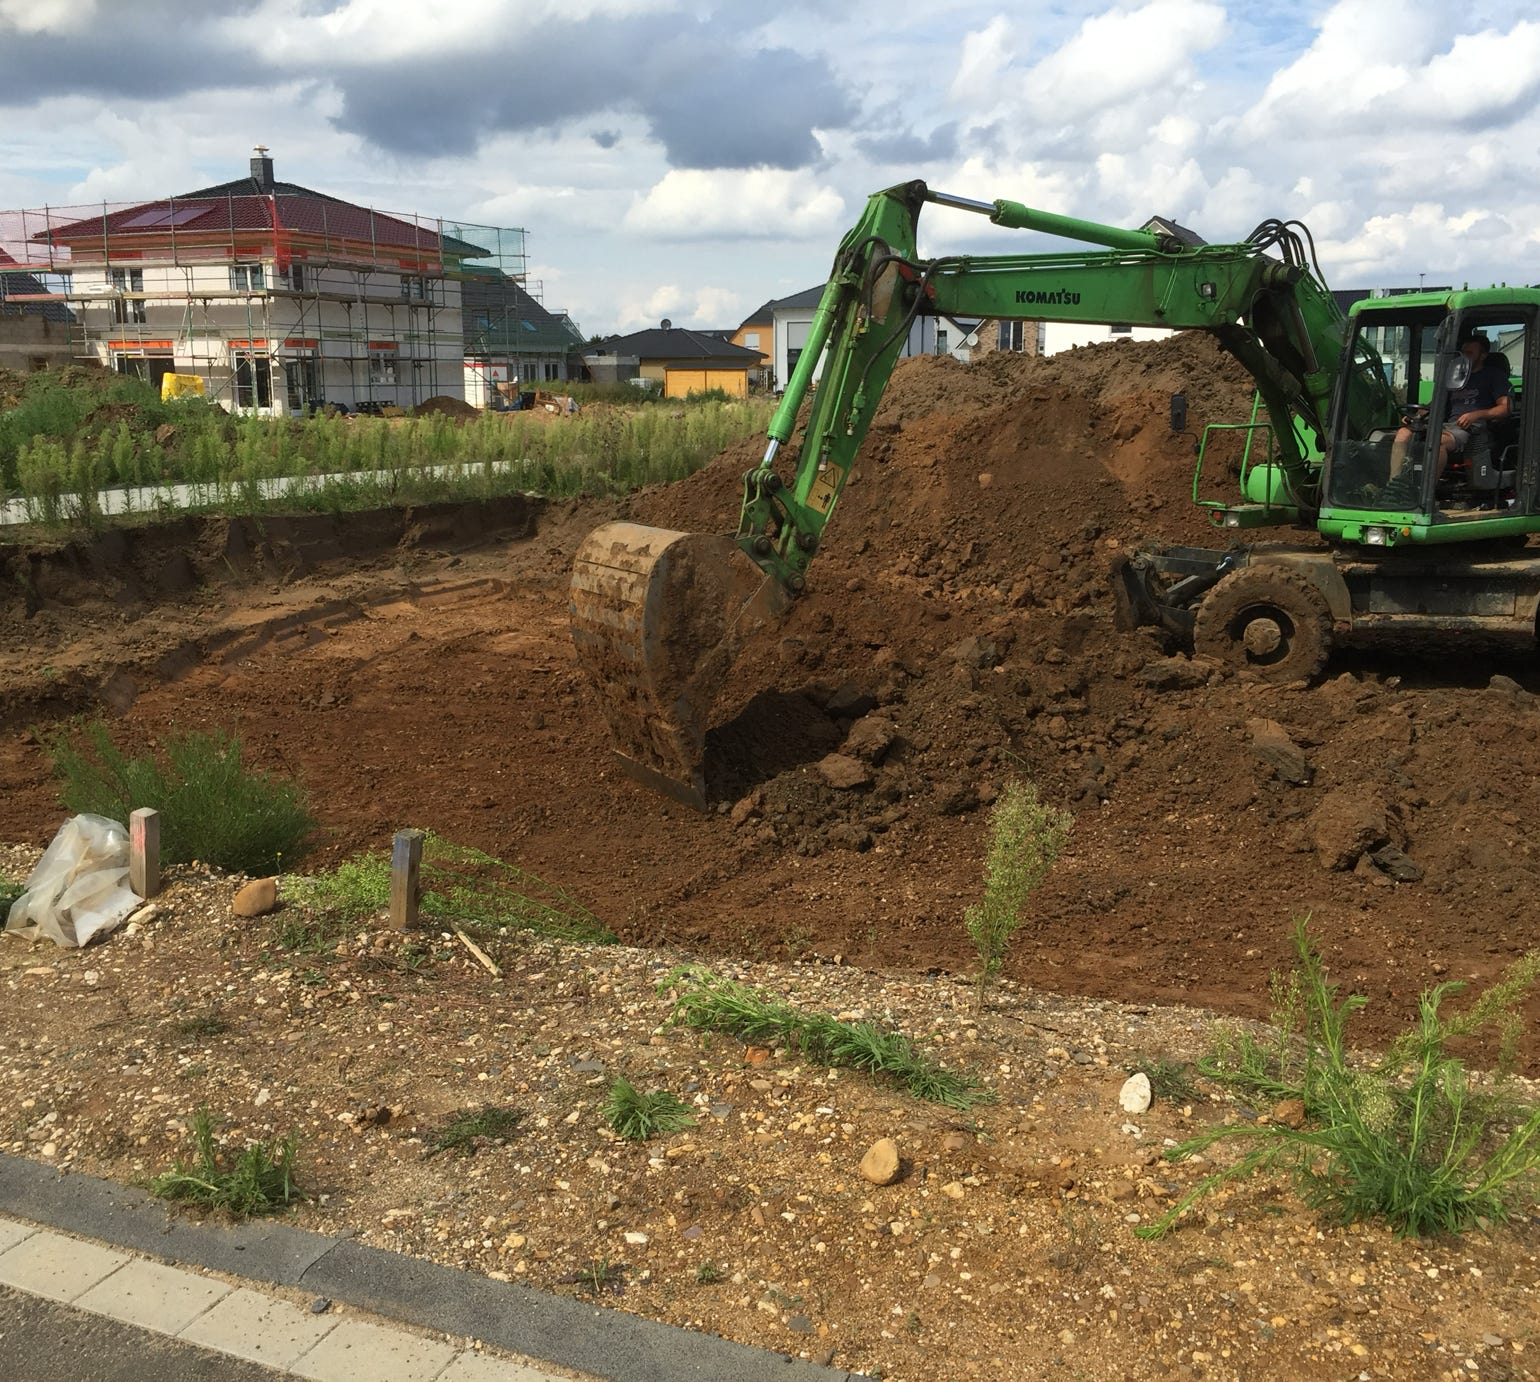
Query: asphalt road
x=44, y=1342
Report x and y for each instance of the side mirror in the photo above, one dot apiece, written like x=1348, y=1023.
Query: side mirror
x=1459, y=372
x=1179, y=411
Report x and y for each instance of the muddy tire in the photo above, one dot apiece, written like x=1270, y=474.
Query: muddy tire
x=1268, y=620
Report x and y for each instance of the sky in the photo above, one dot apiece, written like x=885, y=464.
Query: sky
x=692, y=161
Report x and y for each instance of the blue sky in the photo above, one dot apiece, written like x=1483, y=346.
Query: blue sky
x=690, y=161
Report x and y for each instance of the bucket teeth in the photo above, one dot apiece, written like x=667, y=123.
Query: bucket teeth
x=657, y=618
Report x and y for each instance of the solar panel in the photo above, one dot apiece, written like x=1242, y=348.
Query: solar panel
x=164, y=216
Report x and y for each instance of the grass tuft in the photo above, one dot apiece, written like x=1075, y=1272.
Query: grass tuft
x=1403, y=1141
x=459, y=884
x=637, y=1116
x=258, y=1179
x=212, y=806
x=471, y=1129
x=709, y=1002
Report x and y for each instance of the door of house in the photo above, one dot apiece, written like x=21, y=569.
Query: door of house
x=301, y=378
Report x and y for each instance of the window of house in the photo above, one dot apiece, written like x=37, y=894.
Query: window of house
x=414, y=288
x=1121, y=329
x=751, y=340
x=1010, y=336
x=293, y=278
x=246, y=278
x=941, y=340
x=552, y=370
x=382, y=367
x=125, y=309
x=253, y=381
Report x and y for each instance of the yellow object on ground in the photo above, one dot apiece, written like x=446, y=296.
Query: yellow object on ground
x=181, y=386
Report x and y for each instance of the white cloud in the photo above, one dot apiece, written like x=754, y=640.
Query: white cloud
x=46, y=16
x=763, y=203
x=699, y=307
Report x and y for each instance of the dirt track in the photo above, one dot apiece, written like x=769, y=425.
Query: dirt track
x=419, y=672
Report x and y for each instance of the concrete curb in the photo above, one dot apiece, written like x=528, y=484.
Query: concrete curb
x=508, y=1315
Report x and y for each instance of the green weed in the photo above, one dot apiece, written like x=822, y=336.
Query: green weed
x=472, y=1129
x=1025, y=837
x=1403, y=1140
x=212, y=806
x=459, y=884
x=709, y=1274
x=258, y=1179
x=1170, y=1080
x=709, y=1002
x=201, y=1025
x=637, y=1116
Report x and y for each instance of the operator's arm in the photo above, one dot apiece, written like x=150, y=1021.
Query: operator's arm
x=1500, y=407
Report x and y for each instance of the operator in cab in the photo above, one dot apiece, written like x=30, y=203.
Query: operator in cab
x=1485, y=397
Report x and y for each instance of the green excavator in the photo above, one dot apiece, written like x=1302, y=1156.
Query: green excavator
x=1345, y=440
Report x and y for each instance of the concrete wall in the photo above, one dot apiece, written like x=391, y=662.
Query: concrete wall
x=28, y=341
x=793, y=324
x=1068, y=335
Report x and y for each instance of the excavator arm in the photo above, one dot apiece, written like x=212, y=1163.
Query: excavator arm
x=659, y=615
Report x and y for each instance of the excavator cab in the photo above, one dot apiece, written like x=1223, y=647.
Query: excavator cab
x=1390, y=477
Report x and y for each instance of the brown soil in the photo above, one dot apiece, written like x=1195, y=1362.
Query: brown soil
x=412, y=672
x=446, y=404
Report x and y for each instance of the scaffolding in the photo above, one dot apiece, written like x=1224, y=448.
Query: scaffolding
x=284, y=300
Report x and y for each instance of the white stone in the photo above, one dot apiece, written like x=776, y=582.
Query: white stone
x=1136, y=1096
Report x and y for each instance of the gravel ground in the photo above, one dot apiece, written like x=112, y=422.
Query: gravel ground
x=1004, y=1248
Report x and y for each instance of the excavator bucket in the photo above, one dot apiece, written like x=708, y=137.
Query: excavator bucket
x=657, y=618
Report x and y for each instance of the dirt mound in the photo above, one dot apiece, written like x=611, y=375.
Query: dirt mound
x=445, y=405
x=957, y=630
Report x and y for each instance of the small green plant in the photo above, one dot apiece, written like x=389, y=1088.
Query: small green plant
x=1025, y=837
x=709, y=1274
x=637, y=1116
x=708, y=1002
x=201, y=1025
x=212, y=806
x=598, y=1277
x=257, y=1179
x=1170, y=1080
x=10, y=890
x=1404, y=1140
x=471, y=1129
x=459, y=884
x=304, y=935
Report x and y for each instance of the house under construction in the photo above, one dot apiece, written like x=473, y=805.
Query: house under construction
x=281, y=298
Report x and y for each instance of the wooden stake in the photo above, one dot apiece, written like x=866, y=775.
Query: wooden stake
x=405, y=865
x=144, y=852
x=487, y=962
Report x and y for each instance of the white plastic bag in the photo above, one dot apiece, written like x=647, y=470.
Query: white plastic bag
x=79, y=888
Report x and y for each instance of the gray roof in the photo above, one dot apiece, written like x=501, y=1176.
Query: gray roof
x=808, y=297
x=676, y=343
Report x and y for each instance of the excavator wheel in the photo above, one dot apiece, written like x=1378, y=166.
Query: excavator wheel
x=657, y=618
x=1267, y=619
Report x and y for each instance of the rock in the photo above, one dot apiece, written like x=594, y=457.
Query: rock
x=1397, y=864
x=1365, y=869
x=799, y=1324
x=1171, y=674
x=514, y=1242
x=1349, y=822
x=844, y=773
x=746, y=808
x=978, y=653
x=870, y=738
x=954, y=1142
x=957, y=799
x=953, y=1190
x=852, y=837
x=849, y=702
x=256, y=899
x=165, y=434
x=1136, y=1095
x=320, y=1305
x=1290, y=1113
x=1506, y=685
x=1277, y=752
x=880, y=1164
x=986, y=479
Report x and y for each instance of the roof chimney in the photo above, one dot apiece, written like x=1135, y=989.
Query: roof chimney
x=262, y=168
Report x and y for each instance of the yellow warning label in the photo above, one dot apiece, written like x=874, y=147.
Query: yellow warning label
x=821, y=493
